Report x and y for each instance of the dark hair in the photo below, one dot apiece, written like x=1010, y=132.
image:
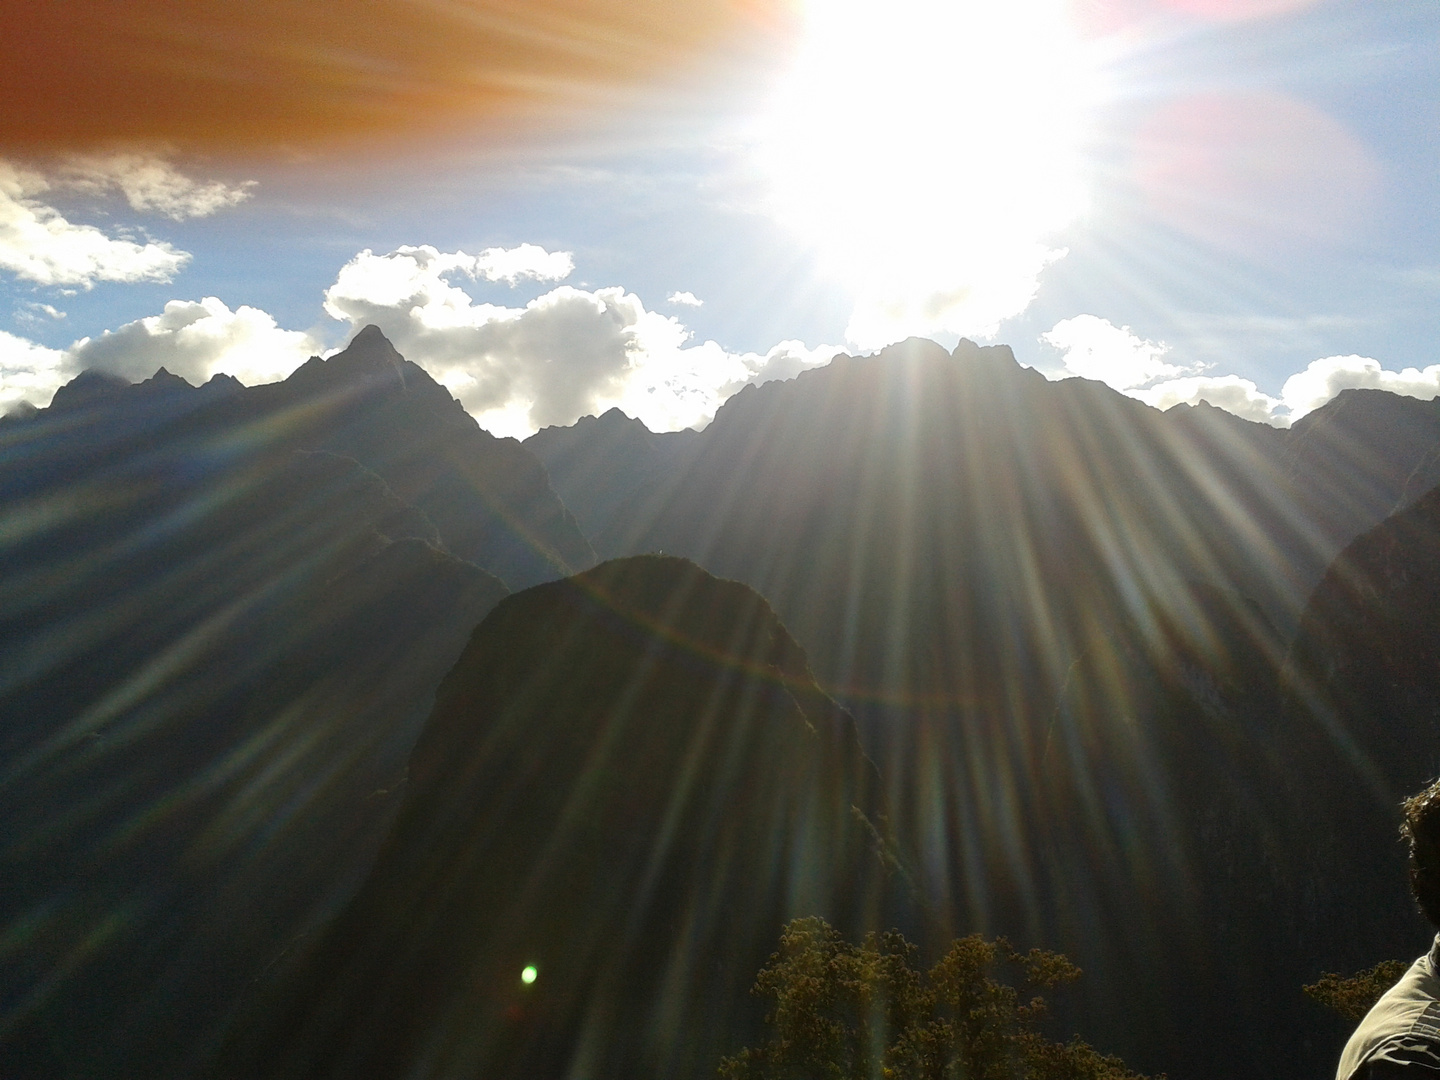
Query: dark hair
x=1421, y=828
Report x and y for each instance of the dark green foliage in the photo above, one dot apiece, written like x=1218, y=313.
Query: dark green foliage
x=1352, y=996
x=843, y=1011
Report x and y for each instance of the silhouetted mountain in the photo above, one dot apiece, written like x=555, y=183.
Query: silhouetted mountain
x=598, y=463
x=215, y=655
x=842, y=493
x=20, y=411
x=488, y=497
x=1058, y=615
x=89, y=388
x=1065, y=625
x=630, y=781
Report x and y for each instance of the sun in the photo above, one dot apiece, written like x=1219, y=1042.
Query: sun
x=931, y=151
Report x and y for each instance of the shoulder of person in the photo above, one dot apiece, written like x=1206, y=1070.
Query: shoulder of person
x=1411, y=1056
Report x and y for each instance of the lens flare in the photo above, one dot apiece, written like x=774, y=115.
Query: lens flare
x=1254, y=173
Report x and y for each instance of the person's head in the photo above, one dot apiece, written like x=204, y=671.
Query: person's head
x=1421, y=828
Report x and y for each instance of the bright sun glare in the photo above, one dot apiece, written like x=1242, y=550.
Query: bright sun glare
x=931, y=151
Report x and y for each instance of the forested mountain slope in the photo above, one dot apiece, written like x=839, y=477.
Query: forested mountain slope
x=631, y=782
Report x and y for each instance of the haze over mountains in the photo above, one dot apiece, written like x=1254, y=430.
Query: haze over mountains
x=1091, y=675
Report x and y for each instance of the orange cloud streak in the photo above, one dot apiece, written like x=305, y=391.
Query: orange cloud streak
x=244, y=75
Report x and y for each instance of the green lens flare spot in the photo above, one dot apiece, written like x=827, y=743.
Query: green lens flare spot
x=529, y=974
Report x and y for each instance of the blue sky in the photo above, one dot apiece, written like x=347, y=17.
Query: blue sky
x=1193, y=199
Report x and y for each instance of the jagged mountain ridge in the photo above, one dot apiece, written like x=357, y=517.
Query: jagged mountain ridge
x=1337, y=472
x=600, y=463
x=1060, y=616
x=488, y=497
x=933, y=493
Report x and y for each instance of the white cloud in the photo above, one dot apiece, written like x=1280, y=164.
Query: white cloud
x=1323, y=379
x=1229, y=392
x=28, y=372
x=32, y=310
x=785, y=361
x=969, y=288
x=409, y=270
x=195, y=340
x=152, y=184
x=688, y=299
x=565, y=354
x=1095, y=348
x=526, y=261
x=38, y=244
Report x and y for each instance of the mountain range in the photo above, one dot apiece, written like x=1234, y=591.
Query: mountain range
x=1060, y=617
x=933, y=642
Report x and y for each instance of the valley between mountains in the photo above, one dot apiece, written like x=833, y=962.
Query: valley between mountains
x=324, y=713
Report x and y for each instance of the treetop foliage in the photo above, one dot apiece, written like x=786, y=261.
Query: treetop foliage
x=865, y=1012
x=1352, y=996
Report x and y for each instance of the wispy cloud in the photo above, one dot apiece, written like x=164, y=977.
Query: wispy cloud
x=151, y=184
x=686, y=299
x=33, y=311
x=37, y=243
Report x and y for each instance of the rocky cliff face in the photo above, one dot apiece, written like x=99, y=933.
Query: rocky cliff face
x=630, y=782
x=1369, y=644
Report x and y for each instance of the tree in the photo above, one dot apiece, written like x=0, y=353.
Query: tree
x=865, y=1012
x=1353, y=995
